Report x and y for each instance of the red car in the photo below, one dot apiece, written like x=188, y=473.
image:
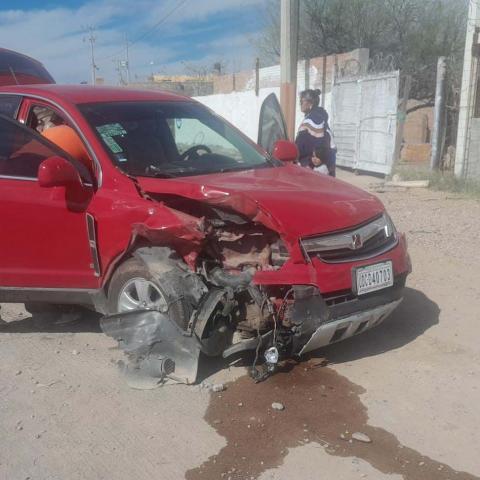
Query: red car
x=149, y=206
x=18, y=69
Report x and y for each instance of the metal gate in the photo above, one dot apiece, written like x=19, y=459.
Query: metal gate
x=364, y=121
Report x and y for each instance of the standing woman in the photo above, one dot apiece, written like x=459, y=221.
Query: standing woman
x=314, y=130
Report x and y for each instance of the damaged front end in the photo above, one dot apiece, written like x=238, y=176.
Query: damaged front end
x=239, y=300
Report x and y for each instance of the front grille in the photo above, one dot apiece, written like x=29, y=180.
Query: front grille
x=372, y=247
x=366, y=241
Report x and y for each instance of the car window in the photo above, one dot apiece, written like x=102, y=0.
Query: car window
x=22, y=151
x=41, y=118
x=9, y=105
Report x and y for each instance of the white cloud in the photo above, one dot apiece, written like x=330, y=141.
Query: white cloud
x=56, y=36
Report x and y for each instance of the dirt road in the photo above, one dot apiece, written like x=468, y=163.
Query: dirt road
x=412, y=386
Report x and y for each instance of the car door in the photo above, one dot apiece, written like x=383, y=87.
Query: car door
x=271, y=125
x=43, y=240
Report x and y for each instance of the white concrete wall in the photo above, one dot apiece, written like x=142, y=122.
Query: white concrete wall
x=242, y=109
x=467, y=158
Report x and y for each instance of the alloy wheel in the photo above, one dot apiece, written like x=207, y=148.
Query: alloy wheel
x=141, y=294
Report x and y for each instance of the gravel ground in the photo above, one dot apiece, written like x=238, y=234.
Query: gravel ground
x=440, y=221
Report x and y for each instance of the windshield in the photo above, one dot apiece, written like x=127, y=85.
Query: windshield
x=170, y=139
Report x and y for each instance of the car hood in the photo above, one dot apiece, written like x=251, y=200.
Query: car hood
x=293, y=200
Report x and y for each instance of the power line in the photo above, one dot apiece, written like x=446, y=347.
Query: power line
x=160, y=22
x=148, y=32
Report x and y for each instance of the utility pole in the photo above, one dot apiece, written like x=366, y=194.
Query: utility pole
x=289, y=19
x=91, y=38
x=439, y=113
x=127, y=59
x=118, y=67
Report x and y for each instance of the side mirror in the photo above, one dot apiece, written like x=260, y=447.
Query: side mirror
x=58, y=172
x=285, y=151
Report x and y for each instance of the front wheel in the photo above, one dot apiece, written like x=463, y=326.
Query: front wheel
x=135, y=287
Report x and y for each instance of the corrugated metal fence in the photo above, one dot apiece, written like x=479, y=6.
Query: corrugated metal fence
x=364, y=121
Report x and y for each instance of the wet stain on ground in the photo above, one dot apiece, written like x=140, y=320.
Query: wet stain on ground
x=320, y=406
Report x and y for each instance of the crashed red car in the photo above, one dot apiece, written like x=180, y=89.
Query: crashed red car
x=150, y=208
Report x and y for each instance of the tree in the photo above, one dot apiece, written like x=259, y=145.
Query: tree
x=413, y=33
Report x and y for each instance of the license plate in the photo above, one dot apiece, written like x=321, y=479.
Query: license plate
x=373, y=277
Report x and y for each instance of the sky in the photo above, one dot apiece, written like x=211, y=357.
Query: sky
x=164, y=35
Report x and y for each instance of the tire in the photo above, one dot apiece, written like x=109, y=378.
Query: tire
x=125, y=281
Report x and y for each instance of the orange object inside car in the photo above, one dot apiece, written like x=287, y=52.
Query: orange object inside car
x=67, y=139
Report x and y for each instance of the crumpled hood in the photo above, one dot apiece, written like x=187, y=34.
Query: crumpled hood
x=294, y=201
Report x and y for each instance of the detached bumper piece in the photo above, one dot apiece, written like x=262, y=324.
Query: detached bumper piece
x=157, y=349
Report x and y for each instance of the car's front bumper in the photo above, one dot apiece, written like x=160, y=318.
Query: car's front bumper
x=318, y=321
x=342, y=328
